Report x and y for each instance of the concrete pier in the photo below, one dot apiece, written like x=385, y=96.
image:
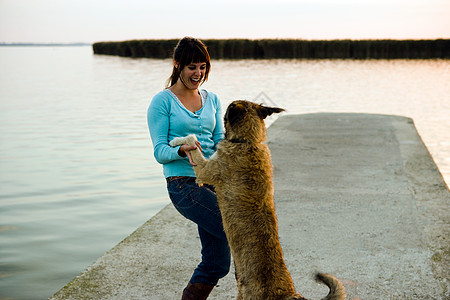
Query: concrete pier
x=357, y=195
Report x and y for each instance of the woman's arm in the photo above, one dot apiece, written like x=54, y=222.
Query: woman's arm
x=218, y=133
x=158, y=119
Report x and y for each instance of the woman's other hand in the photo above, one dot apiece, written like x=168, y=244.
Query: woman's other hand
x=185, y=150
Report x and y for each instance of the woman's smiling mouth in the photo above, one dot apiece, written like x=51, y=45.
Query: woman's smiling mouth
x=195, y=81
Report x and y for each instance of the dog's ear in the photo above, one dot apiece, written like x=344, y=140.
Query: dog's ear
x=264, y=111
x=234, y=114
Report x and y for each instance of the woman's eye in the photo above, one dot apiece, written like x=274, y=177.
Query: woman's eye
x=192, y=68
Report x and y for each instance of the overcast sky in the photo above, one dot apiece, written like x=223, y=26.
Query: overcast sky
x=105, y=20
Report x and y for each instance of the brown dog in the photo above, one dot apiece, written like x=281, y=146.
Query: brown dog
x=241, y=172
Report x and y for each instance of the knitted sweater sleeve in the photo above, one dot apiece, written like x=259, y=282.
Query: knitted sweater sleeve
x=158, y=123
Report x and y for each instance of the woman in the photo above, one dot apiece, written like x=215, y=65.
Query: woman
x=179, y=110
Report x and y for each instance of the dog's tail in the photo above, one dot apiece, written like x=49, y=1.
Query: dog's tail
x=337, y=290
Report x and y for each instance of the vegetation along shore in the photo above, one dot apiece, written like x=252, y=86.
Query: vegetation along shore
x=286, y=48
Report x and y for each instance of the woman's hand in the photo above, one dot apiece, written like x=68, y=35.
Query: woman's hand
x=185, y=150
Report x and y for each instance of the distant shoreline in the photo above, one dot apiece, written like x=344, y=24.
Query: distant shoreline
x=286, y=48
x=44, y=44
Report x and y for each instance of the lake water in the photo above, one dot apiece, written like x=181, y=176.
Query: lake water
x=77, y=173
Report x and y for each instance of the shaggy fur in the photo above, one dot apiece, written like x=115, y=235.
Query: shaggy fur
x=241, y=172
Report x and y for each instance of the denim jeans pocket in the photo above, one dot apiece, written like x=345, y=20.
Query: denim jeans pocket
x=180, y=191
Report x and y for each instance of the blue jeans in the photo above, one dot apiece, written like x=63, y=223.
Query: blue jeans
x=199, y=204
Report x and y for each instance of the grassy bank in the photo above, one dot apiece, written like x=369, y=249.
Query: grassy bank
x=271, y=48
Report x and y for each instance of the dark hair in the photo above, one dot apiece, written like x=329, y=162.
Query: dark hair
x=189, y=50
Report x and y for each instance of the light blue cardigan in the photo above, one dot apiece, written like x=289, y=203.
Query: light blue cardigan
x=167, y=118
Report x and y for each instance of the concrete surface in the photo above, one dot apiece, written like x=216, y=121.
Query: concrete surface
x=356, y=195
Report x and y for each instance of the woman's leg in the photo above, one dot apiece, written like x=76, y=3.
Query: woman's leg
x=199, y=204
x=215, y=262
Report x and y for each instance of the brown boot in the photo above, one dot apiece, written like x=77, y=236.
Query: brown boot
x=197, y=291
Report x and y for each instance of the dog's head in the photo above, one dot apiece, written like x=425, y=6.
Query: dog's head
x=245, y=120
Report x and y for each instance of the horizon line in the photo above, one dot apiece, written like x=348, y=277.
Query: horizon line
x=137, y=39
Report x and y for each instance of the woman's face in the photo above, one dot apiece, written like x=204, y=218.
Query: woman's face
x=192, y=75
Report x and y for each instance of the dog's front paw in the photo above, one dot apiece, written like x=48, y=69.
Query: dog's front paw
x=177, y=141
x=189, y=140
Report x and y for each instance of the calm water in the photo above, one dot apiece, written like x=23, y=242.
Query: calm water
x=77, y=173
